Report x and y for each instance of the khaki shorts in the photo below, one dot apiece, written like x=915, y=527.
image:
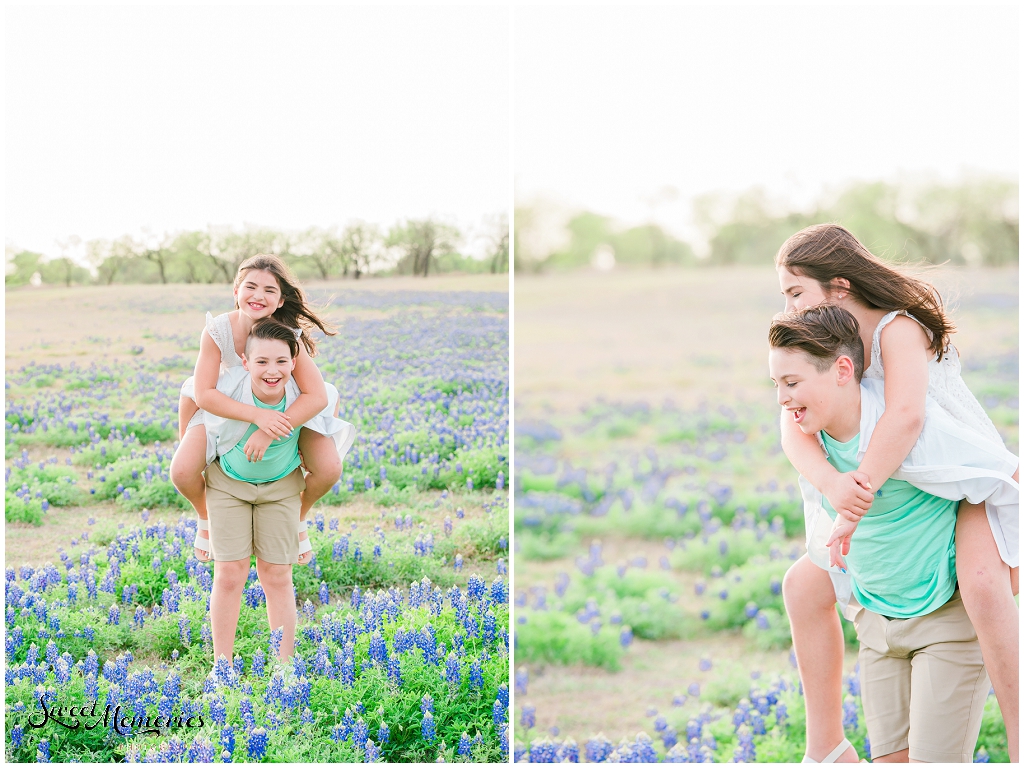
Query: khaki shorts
x=251, y=518
x=923, y=683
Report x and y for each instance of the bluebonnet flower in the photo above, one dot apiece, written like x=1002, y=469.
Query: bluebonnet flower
x=427, y=704
x=522, y=680
x=257, y=745
x=372, y=752
x=427, y=728
x=694, y=689
x=258, y=662
x=218, y=710
x=325, y=595
x=705, y=663
x=360, y=732
x=503, y=695
x=626, y=637
x=528, y=717
x=383, y=733
x=476, y=676
x=850, y=719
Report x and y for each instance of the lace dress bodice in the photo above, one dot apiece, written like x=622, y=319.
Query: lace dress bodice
x=945, y=383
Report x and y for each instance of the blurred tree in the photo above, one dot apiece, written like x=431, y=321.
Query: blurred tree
x=64, y=270
x=21, y=266
x=650, y=245
x=420, y=241
x=498, y=240
x=587, y=231
x=190, y=261
x=360, y=245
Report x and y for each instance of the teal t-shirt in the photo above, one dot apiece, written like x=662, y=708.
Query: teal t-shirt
x=280, y=460
x=903, y=555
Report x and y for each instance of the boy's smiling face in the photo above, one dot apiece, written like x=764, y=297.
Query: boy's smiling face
x=270, y=364
x=816, y=400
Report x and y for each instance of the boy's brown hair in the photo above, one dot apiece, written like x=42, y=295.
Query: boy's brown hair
x=268, y=328
x=823, y=332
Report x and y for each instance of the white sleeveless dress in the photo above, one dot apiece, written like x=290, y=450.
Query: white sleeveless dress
x=945, y=384
x=232, y=373
x=980, y=447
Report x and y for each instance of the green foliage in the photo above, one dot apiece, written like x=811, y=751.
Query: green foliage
x=557, y=637
x=973, y=222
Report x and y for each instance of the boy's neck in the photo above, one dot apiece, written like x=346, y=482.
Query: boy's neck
x=846, y=424
x=268, y=398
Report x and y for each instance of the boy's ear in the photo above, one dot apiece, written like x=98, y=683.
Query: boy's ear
x=245, y=362
x=845, y=371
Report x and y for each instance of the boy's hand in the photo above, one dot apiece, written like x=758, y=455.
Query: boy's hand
x=850, y=495
x=839, y=541
x=273, y=423
x=257, y=445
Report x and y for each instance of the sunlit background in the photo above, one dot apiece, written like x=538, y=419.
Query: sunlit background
x=902, y=120
x=250, y=127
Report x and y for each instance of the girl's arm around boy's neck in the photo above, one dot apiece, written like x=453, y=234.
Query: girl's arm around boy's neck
x=207, y=396
x=312, y=393
x=842, y=489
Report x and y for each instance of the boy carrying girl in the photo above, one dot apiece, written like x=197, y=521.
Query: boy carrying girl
x=923, y=680
x=254, y=499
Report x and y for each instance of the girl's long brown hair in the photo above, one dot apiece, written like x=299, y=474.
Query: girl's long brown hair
x=296, y=311
x=827, y=251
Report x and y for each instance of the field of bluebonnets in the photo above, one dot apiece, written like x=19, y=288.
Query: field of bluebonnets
x=655, y=515
x=402, y=644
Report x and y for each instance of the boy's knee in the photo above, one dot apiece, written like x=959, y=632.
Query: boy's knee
x=231, y=574
x=275, y=575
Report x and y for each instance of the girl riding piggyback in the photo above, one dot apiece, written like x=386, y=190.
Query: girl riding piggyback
x=263, y=287
x=906, y=333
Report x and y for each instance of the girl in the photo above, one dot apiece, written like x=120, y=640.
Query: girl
x=264, y=286
x=906, y=341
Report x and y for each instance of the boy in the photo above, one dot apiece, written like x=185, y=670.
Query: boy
x=253, y=492
x=923, y=680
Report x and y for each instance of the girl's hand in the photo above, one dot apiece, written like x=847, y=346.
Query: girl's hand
x=850, y=495
x=839, y=541
x=273, y=423
x=256, y=446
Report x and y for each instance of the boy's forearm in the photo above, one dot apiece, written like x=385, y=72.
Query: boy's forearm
x=305, y=408
x=893, y=438
x=805, y=454
x=219, y=404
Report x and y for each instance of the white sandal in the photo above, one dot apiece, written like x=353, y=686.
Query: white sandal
x=304, y=544
x=202, y=543
x=832, y=756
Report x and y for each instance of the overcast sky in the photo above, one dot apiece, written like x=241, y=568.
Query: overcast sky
x=174, y=118
x=614, y=105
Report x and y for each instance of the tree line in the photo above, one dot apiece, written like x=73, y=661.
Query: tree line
x=973, y=223
x=417, y=247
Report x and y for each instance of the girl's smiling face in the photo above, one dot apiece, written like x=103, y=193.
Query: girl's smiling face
x=259, y=294
x=800, y=291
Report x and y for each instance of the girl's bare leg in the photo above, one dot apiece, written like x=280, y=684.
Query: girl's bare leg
x=987, y=586
x=186, y=410
x=818, y=642
x=276, y=581
x=187, y=475
x=320, y=456
x=229, y=578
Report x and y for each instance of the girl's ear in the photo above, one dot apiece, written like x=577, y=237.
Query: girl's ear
x=841, y=285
